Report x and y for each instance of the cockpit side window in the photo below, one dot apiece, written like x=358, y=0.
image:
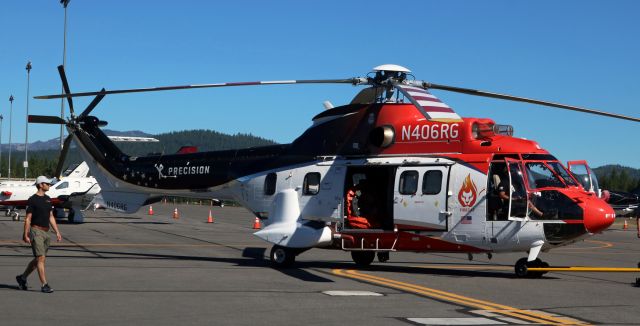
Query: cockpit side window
x=63, y=185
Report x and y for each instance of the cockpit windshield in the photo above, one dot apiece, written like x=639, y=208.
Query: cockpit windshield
x=563, y=173
x=541, y=176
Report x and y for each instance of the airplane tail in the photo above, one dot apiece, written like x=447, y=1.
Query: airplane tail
x=81, y=171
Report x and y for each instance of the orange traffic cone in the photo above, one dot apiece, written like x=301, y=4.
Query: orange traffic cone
x=210, y=219
x=150, y=210
x=625, y=226
x=256, y=224
x=176, y=215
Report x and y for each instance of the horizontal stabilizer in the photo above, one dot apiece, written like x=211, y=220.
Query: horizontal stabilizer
x=123, y=202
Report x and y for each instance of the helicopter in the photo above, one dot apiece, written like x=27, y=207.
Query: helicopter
x=424, y=178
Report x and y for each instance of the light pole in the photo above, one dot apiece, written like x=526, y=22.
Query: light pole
x=26, y=135
x=10, y=123
x=64, y=3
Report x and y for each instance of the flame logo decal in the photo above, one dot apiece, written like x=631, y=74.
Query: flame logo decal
x=468, y=192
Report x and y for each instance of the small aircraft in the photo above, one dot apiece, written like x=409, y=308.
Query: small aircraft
x=623, y=203
x=74, y=187
x=425, y=179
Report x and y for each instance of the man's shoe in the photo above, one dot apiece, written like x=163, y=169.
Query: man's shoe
x=22, y=283
x=46, y=289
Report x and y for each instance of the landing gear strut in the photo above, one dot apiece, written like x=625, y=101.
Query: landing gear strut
x=15, y=215
x=522, y=267
x=383, y=256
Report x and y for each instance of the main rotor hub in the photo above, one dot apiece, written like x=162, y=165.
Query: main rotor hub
x=387, y=75
x=391, y=67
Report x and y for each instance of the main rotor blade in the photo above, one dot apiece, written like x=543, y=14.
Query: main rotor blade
x=354, y=81
x=63, y=155
x=92, y=105
x=46, y=119
x=65, y=85
x=476, y=92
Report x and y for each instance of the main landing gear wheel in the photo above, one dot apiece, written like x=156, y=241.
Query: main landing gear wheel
x=282, y=257
x=522, y=267
x=363, y=258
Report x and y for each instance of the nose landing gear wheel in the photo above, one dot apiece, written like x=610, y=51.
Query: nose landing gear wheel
x=282, y=257
x=522, y=268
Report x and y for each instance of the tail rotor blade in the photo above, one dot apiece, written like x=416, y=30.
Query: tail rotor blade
x=46, y=119
x=63, y=155
x=65, y=85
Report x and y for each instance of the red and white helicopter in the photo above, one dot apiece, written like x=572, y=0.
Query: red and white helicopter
x=424, y=177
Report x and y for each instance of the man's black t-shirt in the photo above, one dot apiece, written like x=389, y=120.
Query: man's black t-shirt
x=40, y=209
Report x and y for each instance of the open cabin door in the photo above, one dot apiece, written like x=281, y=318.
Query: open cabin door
x=420, y=197
x=518, y=199
x=585, y=176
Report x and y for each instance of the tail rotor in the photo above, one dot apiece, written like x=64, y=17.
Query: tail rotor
x=72, y=124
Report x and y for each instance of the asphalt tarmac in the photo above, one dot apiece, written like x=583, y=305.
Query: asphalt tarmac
x=156, y=270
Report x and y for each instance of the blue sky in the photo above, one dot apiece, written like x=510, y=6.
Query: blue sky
x=583, y=53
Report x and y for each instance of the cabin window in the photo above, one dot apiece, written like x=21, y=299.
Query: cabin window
x=270, y=184
x=432, y=182
x=311, y=184
x=63, y=185
x=408, y=182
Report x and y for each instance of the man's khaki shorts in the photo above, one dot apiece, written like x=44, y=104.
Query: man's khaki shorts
x=39, y=242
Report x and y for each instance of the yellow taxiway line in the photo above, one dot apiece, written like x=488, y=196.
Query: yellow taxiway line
x=469, y=267
x=531, y=316
x=585, y=269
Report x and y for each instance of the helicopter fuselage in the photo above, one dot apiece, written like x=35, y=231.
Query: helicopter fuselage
x=431, y=185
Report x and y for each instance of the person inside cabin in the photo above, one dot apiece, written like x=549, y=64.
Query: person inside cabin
x=494, y=203
x=361, y=206
x=353, y=198
x=504, y=191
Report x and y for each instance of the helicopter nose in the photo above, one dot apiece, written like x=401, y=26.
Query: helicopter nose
x=598, y=215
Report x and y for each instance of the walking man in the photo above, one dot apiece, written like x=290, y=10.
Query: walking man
x=37, y=223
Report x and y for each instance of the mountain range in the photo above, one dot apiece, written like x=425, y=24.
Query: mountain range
x=612, y=176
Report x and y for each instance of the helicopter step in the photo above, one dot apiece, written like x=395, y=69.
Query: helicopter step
x=369, y=241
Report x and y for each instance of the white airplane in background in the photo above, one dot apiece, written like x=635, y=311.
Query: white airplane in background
x=69, y=195
x=70, y=192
